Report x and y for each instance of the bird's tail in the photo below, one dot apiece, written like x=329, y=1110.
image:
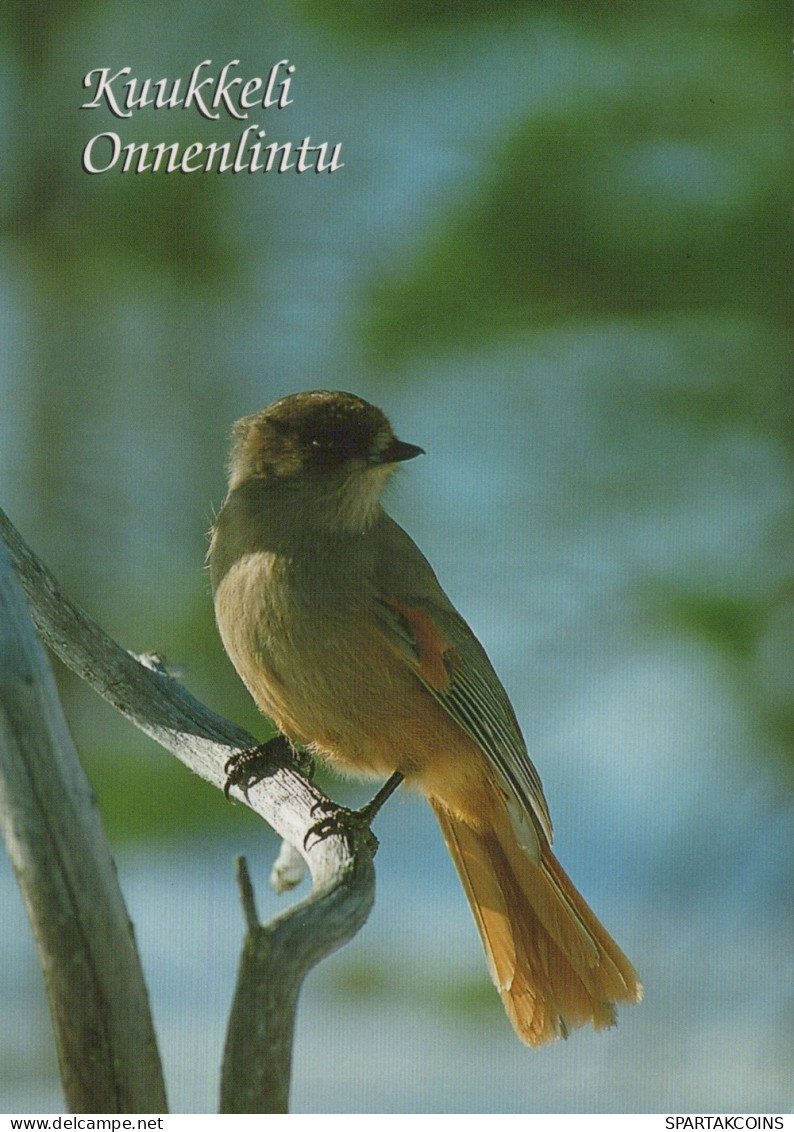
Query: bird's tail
x=553, y=963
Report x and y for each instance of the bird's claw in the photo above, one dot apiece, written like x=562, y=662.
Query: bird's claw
x=340, y=822
x=346, y=822
x=245, y=768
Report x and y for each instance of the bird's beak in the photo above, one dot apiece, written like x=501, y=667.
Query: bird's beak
x=396, y=451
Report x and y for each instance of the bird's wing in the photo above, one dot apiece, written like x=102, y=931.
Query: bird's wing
x=432, y=637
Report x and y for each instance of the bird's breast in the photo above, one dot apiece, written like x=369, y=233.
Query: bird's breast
x=313, y=656
x=302, y=642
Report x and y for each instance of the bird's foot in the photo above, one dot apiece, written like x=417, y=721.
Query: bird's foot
x=248, y=767
x=341, y=821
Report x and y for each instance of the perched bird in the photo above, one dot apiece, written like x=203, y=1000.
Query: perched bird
x=339, y=628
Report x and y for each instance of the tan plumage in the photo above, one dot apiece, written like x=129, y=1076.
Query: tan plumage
x=553, y=963
x=338, y=626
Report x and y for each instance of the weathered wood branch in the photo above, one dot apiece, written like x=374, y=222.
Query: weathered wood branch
x=104, y=1036
x=340, y=863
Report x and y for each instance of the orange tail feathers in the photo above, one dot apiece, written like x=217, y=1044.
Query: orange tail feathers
x=553, y=963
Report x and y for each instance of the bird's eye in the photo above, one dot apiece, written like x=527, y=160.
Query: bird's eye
x=323, y=448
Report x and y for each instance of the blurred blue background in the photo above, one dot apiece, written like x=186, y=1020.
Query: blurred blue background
x=558, y=257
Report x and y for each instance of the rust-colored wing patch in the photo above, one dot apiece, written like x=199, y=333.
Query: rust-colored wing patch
x=430, y=653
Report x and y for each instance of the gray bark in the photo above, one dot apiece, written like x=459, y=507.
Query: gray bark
x=276, y=956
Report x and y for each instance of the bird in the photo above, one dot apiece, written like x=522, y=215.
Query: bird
x=337, y=625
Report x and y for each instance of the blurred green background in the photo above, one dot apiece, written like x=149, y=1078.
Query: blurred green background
x=558, y=257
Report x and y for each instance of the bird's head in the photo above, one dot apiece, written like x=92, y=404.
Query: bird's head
x=326, y=448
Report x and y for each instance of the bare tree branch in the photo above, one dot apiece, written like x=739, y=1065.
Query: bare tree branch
x=340, y=863
x=103, y=1029
x=250, y=1082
